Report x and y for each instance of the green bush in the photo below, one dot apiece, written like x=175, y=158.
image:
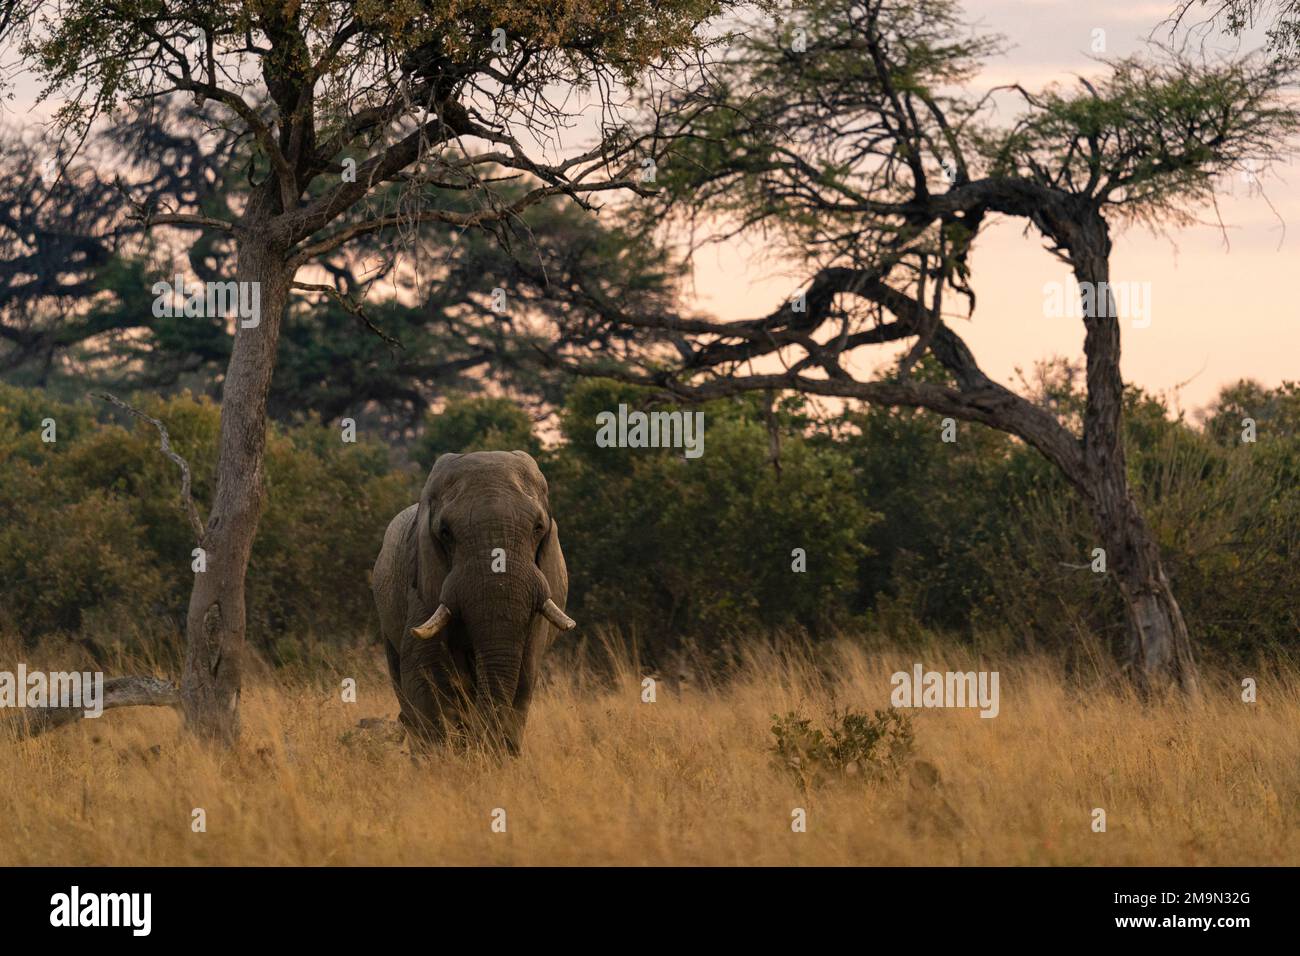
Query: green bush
x=94, y=541
x=868, y=747
x=665, y=546
x=983, y=537
x=475, y=424
x=903, y=534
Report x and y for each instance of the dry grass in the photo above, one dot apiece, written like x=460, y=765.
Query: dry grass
x=607, y=779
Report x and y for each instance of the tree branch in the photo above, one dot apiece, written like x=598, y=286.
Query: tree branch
x=186, y=498
x=350, y=306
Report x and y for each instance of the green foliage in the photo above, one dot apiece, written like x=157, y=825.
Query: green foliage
x=866, y=747
x=94, y=541
x=979, y=540
x=476, y=424
x=984, y=538
x=1160, y=129
x=666, y=546
x=1275, y=412
x=938, y=505
x=100, y=55
x=330, y=364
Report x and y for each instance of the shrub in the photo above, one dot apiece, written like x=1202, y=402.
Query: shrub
x=666, y=546
x=868, y=747
x=901, y=532
x=475, y=424
x=94, y=542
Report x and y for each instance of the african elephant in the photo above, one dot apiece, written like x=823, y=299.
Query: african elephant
x=471, y=585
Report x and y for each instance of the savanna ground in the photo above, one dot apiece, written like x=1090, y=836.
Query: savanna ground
x=688, y=779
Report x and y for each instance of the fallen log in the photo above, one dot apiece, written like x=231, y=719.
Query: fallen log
x=133, y=691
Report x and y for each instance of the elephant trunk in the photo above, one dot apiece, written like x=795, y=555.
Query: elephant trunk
x=497, y=672
x=498, y=660
x=499, y=621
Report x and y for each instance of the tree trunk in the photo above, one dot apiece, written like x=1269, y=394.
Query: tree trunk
x=1158, y=645
x=215, y=627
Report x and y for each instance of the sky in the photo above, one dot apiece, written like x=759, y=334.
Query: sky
x=1222, y=301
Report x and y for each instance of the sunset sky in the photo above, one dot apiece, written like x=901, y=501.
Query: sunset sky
x=1222, y=302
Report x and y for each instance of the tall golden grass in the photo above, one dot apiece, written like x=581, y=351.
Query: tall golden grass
x=689, y=779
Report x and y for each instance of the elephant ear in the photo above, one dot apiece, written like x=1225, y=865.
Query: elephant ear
x=549, y=556
x=431, y=567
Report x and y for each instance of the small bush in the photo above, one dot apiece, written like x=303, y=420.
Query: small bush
x=868, y=747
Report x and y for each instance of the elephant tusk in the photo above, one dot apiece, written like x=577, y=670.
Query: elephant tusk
x=558, y=617
x=434, y=624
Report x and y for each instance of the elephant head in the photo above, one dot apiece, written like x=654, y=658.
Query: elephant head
x=487, y=585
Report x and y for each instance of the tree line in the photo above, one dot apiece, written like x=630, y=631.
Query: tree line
x=791, y=523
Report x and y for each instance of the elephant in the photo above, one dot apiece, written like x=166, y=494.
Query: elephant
x=471, y=585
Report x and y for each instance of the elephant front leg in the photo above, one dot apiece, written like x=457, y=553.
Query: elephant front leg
x=431, y=705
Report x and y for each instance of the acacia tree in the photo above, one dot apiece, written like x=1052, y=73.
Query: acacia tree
x=846, y=133
x=1236, y=16
x=76, y=274
x=460, y=96
x=56, y=240
x=70, y=277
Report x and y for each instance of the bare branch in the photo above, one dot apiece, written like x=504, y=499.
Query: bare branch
x=349, y=305
x=449, y=216
x=187, y=499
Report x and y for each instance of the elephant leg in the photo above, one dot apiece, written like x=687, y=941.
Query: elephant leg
x=394, y=667
x=422, y=713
